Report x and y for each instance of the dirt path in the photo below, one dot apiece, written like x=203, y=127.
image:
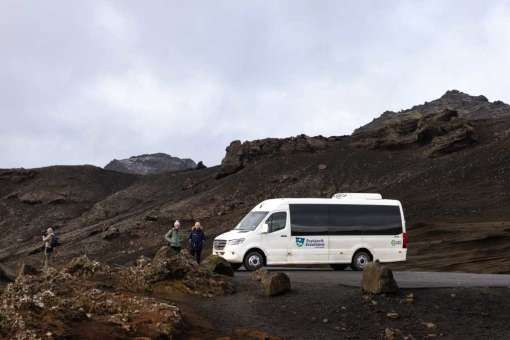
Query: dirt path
x=330, y=311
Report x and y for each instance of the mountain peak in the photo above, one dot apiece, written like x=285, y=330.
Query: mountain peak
x=150, y=164
x=468, y=107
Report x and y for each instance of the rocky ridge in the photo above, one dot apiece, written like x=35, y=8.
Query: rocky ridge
x=150, y=164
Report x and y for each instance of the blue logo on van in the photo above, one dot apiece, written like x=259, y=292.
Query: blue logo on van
x=300, y=241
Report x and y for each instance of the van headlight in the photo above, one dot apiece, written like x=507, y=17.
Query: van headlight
x=236, y=241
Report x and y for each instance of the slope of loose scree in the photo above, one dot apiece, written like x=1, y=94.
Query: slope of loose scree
x=448, y=165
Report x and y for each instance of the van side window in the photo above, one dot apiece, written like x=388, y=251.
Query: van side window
x=345, y=219
x=277, y=221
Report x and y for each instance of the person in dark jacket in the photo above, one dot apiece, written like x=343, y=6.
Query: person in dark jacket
x=196, y=240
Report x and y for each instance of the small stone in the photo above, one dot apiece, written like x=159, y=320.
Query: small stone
x=429, y=325
x=453, y=295
x=325, y=320
x=393, y=315
x=374, y=302
x=343, y=308
x=49, y=334
x=89, y=315
x=322, y=166
x=391, y=334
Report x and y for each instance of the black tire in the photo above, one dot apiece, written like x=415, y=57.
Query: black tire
x=236, y=266
x=253, y=260
x=339, y=266
x=360, y=260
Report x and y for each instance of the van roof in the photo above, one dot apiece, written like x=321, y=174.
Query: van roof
x=276, y=203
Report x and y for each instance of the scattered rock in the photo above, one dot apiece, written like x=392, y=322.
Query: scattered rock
x=275, y=284
x=393, y=315
x=391, y=333
x=218, y=265
x=272, y=283
x=429, y=325
x=259, y=274
x=322, y=166
x=26, y=269
x=110, y=233
x=378, y=279
x=151, y=218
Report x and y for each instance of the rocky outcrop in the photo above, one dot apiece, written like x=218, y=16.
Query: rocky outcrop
x=378, y=279
x=150, y=164
x=240, y=154
x=68, y=303
x=438, y=133
x=468, y=107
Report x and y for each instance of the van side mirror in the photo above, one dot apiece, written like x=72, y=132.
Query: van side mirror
x=264, y=228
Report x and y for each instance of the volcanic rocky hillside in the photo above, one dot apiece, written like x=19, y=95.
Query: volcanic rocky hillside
x=151, y=164
x=448, y=161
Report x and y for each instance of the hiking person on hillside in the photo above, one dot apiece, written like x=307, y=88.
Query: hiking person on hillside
x=196, y=240
x=48, y=241
x=173, y=237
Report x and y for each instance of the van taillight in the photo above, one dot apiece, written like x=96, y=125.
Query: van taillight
x=405, y=239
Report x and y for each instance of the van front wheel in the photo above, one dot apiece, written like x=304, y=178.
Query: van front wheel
x=253, y=261
x=360, y=260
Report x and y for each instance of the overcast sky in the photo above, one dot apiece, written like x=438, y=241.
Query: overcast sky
x=86, y=82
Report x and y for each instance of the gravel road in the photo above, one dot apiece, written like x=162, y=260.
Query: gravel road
x=404, y=279
x=323, y=305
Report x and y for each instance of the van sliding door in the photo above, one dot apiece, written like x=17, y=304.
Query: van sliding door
x=309, y=234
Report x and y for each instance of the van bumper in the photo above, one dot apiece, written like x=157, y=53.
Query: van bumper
x=231, y=255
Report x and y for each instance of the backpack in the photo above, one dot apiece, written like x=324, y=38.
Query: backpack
x=54, y=241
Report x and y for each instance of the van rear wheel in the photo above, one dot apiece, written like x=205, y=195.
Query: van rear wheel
x=253, y=260
x=360, y=260
x=338, y=266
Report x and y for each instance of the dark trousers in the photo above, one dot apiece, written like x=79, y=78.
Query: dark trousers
x=196, y=253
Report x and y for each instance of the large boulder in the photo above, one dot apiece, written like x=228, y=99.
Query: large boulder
x=272, y=283
x=378, y=279
x=275, y=284
x=218, y=265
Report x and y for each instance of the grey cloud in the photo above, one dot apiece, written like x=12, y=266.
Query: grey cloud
x=88, y=82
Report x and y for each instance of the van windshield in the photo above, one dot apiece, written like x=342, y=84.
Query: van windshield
x=251, y=221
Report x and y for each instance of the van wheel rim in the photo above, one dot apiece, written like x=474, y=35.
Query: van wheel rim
x=361, y=261
x=254, y=261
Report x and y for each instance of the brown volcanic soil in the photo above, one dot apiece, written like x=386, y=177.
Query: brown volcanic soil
x=457, y=202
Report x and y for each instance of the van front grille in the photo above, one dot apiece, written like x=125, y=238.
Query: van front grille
x=219, y=244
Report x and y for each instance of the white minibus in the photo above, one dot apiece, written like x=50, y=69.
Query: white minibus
x=349, y=229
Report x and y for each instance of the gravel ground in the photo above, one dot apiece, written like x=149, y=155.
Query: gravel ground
x=331, y=311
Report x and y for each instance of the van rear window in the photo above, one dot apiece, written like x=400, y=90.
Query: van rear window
x=345, y=219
